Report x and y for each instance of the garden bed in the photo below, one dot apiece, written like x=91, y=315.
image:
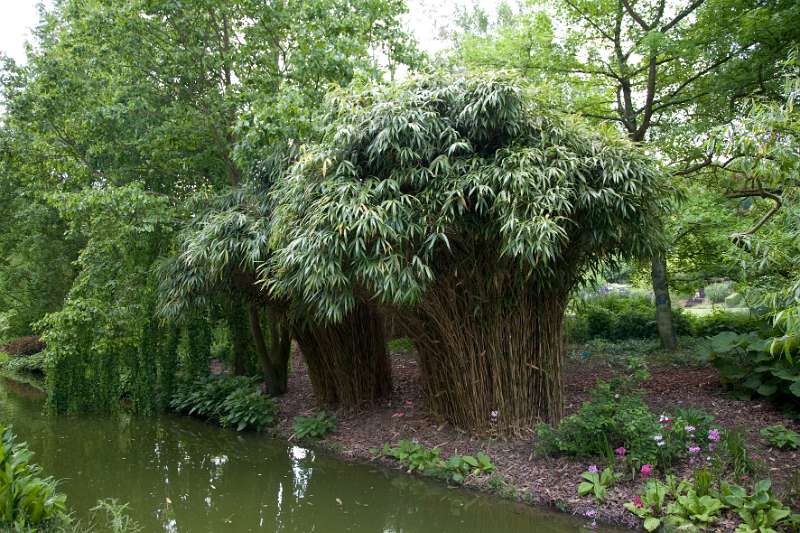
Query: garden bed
x=550, y=481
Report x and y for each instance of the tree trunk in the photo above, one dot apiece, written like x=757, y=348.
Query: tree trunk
x=347, y=362
x=491, y=357
x=275, y=372
x=663, y=304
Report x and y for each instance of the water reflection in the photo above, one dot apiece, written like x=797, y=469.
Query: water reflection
x=181, y=475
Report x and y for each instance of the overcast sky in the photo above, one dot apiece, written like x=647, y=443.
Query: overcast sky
x=426, y=18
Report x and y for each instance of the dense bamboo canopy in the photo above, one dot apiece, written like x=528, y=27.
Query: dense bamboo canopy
x=471, y=211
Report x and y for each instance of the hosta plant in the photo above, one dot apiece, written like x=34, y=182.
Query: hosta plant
x=690, y=511
x=780, y=437
x=597, y=483
x=760, y=511
x=316, y=426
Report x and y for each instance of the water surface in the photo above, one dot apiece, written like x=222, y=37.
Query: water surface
x=183, y=475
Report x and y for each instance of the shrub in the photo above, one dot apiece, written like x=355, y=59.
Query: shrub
x=719, y=321
x=717, y=292
x=747, y=366
x=597, y=483
x=228, y=401
x=23, y=346
x=619, y=317
x=27, y=500
x=316, y=426
x=616, y=418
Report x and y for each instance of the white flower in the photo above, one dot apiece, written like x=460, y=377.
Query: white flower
x=494, y=414
x=658, y=438
x=690, y=429
x=660, y=443
x=663, y=418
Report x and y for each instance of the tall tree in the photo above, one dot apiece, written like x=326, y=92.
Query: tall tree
x=664, y=72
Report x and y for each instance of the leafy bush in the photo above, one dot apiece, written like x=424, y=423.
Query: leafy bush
x=691, y=511
x=247, y=407
x=717, y=292
x=228, y=401
x=719, y=321
x=420, y=458
x=617, y=317
x=780, y=437
x=746, y=365
x=27, y=499
x=616, y=418
x=316, y=426
x=23, y=346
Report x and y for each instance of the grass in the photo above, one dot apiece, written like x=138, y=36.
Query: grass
x=400, y=344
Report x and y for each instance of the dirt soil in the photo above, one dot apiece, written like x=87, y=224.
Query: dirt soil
x=544, y=481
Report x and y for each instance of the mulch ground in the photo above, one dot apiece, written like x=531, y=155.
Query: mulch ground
x=539, y=480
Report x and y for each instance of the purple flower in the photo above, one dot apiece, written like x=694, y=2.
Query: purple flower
x=493, y=414
x=690, y=429
x=694, y=449
x=621, y=451
x=593, y=469
x=714, y=435
x=590, y=513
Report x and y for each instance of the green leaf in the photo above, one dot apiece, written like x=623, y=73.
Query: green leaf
x=651, y=523
x=585, y=488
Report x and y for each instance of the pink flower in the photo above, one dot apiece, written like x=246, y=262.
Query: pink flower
x=592, y=469
x=646, y=470
x=637, y=501
x=694, y=449
x=714, y=435
x=621, y=451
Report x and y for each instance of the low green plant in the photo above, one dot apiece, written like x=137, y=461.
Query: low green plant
x=316, y=426
x=27, y=500
x=248, y=408
x=778, y=436
x=760, y=511
x=689, y=510
x=112, y=516
x=597, y=483
x=418, y=457
x=617, y=418
x=650, y=505
x=235, y=402
x=400, y=344
x=732, y=455
x=749, y=366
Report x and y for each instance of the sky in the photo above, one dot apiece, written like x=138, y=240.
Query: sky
x=426, y=19
x=18, y=17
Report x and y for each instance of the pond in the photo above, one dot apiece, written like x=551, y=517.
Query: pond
x=182, y=475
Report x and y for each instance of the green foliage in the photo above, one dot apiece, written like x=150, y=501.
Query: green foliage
x=420, y=458
x=597, y=483
x=27, y=500
x=401, y=344
x=247, y=408
x=748, y=365
x=779, y=437
x=616, y=416
x=198, y=353
x=719, y=321
x=34, y=364
x=439, y=155
x=689, y=510
x=651, y=505
x=760, y=511
x=717, y=292
x=316, y=426
x=733, y=456
x=619, y=317
x=234, y=402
